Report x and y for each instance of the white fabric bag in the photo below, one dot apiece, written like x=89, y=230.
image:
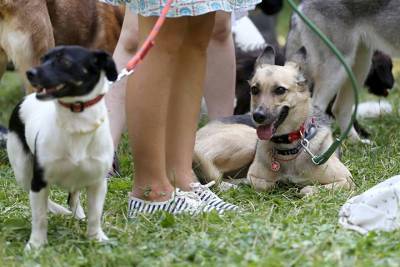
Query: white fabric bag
x=376, y=209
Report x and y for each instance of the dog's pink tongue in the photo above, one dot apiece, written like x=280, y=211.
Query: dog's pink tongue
x=265, y=132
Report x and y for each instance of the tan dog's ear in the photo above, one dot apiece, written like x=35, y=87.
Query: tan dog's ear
x=266, y=58
x=299, y=58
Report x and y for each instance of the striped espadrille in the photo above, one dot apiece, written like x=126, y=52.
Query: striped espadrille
x=210, y=199
x=180, y=202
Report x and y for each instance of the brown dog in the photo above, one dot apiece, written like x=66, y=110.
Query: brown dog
x=29, y=28
x=284, y=123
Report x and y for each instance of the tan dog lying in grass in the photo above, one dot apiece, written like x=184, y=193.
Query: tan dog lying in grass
x=271, y=138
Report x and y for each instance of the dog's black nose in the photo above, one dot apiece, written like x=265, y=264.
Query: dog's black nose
x=31, y=74
x=259, y=117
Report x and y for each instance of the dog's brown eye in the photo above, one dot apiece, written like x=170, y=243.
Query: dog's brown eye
x=280, y=90
x=254, y=90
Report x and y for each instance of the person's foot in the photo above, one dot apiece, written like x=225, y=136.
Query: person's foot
x=210, y=199
x=180, y=202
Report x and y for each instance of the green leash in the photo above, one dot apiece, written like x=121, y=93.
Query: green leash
x=321, y=159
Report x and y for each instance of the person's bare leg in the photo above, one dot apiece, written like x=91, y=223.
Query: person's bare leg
x=147, y=100
x=221, y=69
x=115, y=99
x=184, y=101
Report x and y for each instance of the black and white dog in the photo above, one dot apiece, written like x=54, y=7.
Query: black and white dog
x=60, y=135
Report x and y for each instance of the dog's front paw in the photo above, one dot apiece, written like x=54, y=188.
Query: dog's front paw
x=309, y=190
x=261, y=184
x=99, y=236
x=35, y=243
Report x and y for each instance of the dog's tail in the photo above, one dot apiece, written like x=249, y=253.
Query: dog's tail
x=56, y=208
x=205, y=169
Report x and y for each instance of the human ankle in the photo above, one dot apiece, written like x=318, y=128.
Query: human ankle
x=184, y=181
x=153, y=193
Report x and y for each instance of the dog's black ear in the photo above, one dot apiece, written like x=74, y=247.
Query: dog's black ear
x=104, y=61
x=300, y=57
x=382, y=64
x=267, y=57
x=271, y=7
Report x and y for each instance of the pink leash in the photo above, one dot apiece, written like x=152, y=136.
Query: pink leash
x=147, y=45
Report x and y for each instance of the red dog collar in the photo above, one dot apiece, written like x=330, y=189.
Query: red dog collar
x=293, y=136
x=79, y=106
x=290, y=137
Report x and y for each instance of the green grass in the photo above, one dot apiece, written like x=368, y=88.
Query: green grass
x=278, y=228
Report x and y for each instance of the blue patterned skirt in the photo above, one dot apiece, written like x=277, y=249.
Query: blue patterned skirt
x=181, y=8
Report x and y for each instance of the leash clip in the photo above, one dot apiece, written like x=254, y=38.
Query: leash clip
x=306, y=145
x=124, y=72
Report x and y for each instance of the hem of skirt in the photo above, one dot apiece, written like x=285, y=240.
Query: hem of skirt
x=174, y=15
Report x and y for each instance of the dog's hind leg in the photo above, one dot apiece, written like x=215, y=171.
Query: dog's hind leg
x=75, y=205
x=22, y=163
x=21, y=160
x=96, y=197
x=328, y=82
x=344, y=103
x=208, y=170
x=325, y=69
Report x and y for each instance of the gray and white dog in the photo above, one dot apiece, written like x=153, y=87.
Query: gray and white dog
x=357, y=28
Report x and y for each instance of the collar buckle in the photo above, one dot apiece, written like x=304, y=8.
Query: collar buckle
x=77, y=107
